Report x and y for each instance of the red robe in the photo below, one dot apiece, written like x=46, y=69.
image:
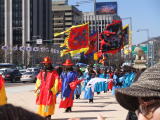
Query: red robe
x=46, y=96
x=1, y=81
x=110, y=83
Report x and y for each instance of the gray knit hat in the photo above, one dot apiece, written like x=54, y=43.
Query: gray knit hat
x=147, y=85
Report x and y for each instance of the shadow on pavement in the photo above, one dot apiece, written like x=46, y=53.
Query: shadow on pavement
x=106, y=102
x=92, y=111
x=82, y=118
x=85, y=118
x=89, y=106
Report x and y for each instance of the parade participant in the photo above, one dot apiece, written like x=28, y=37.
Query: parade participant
x=102, y=85
x=77, y=91
x=69, y=79
x=46, y=89
x=143, y=96
x=3, y=97
x=89, y=93
x=110, y=83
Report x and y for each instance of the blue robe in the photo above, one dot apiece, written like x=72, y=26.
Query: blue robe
x=67, y=94
x=101, y=86
x=88, y=93
x=78, y=88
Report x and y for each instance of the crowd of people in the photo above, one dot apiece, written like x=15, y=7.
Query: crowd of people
x=139, y=95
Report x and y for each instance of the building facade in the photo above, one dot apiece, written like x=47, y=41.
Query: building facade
x=64, y=16
x=23, y=20
x=153, y=50
x=98, y=22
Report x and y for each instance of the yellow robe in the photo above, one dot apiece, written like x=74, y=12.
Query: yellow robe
x=3, y=97
x=45, y=110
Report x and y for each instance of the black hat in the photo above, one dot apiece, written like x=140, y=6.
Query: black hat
x=147, y=85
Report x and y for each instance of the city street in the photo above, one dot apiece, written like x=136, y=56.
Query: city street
x=105, y=104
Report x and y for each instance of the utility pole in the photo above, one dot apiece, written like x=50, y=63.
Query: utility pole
x=148, y=37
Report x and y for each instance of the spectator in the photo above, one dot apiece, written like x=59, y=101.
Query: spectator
x=10, y=112
x=143, y=96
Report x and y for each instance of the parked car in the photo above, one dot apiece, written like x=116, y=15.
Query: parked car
x=34, y=69
x=12, y=75
x=29, y=77
x=22, y=71
x=2, y=71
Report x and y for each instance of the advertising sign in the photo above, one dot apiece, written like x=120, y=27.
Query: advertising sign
x=143, y=47
x=106, y=8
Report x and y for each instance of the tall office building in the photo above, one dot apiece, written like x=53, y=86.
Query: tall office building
x=98, y=22
x=64, y=16
x=22, y=21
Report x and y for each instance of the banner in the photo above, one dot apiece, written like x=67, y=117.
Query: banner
x=106, y=8
x=95, y=56
x=30, y=49
x=111, y=38
x=125, y=34
x=127, y=49
x=93, y=43
x=15, y=48
x=77, y=40
x=5, y=47
x=22, y=48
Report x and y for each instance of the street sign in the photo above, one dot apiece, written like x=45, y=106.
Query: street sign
x=39, y=41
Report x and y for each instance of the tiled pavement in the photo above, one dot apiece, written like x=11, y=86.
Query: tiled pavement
x=104, y=104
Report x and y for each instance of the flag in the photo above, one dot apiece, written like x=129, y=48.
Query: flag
x=115, y=26
x=92, y=43
x=95, y=56
x=111, y=38
x=77, y=40
x=125, y=34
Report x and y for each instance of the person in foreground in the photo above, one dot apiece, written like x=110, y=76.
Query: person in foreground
x=3, y=97
x=11, y=112
x=46, y=89
x=143, y=96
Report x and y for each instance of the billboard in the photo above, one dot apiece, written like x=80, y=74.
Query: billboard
x=106, y=8
x=143, y=47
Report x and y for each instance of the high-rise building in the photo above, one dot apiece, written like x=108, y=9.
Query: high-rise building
x=64, y=16
x=98, y=22
x=22, y=21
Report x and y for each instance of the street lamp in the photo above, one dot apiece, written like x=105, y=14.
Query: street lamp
x=148, y=37
x=147, y=31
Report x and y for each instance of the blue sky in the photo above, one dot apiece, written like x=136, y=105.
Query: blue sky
x=145, y=15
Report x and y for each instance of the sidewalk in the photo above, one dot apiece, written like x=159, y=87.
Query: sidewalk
x=104, y=104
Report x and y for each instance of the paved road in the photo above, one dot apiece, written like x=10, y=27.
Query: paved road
x=104, y=104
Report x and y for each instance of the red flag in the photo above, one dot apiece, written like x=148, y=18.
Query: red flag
x=78, y=37
x=93, y=43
